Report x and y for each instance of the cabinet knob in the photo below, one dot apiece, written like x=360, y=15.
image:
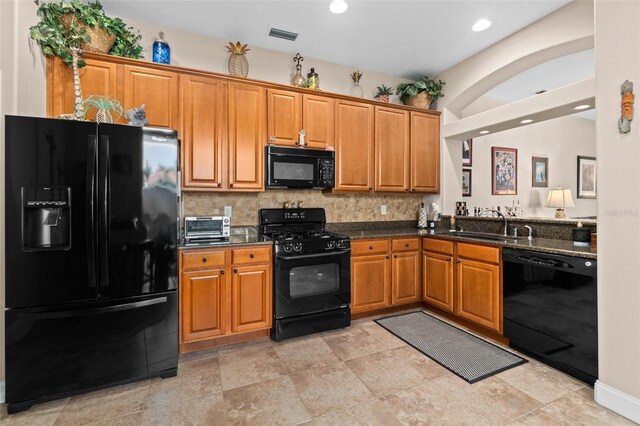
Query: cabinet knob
x=388, y=257
x=370, y=189
x=252, y=255
x=458, y=261
x=413, y=190
x=204, y=260
x=230, y=185
x=395, y=256
x=448, y=259
x=406, y=244
x=235, y=271
x=370, y=247
x=219, y=184
x=222, y=272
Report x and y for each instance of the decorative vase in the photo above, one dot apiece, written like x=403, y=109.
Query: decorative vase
x=356, y=90
x=103, y=116
x=421, y=100
x=238, y=63
x=383, y=98
x=161, y=50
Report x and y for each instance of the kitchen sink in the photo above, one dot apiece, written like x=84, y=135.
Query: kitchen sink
x=482, y=236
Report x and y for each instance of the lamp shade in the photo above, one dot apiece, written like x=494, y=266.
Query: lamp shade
x=560, y=198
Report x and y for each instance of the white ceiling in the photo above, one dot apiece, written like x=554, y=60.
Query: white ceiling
x=396, y=37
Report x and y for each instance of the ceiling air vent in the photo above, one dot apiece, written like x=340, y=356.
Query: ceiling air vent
x=287, y=35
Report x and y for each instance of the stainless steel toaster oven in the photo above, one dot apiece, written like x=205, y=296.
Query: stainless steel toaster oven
x=206, y=228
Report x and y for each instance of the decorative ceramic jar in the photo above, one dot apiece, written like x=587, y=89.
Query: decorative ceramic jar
x=313, y=80
x=161, y=50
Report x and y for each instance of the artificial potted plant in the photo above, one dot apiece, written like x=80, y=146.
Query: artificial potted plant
x=383, y=93
x=104, y=106
x=421, y=93
x=70, y=26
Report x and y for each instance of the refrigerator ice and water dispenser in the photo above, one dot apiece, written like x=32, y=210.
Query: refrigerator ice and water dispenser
x=46, y=218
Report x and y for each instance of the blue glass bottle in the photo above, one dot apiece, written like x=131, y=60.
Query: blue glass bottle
x=161, y=50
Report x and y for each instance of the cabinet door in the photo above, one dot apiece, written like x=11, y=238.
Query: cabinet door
x=284, y=117
x=437, y=276
x=370, y=282
x=157, y=90
x=251, y=298
x=478, y=293
x=406, y=278
x=392, y=150
x=247, y=129
x=204, y=132
x=318, y=121
x=354, y=146
x=202, y=304
x=96, y=78
x=425, y=153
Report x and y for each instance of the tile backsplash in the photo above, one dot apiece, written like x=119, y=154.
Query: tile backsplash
x=339, y=207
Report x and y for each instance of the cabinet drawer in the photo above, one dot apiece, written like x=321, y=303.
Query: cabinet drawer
x=251, y=255
x=440, y=246
x=202, y=259
x=405, y=244
x=477, y=252
x=359, y=248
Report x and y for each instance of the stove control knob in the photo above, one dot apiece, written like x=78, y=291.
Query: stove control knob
x=297, y=247
x=341, y=244
x=287, y=247
x=331, y=244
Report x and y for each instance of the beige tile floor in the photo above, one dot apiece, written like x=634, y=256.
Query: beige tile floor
x=362, y=375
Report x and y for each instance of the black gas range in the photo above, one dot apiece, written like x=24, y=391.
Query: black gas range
x=311, y=273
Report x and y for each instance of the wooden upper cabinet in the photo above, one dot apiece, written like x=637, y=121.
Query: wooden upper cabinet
x=354, y=146
x=425, y=152
x=247, y=137
x=202, y=304
x=318, y=121
x=392, y=150
x=157, y=90
x=284, y=117
x=204, y=142
x=251, y=298
x=96, y=78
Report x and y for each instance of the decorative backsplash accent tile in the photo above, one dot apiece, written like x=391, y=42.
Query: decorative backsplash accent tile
x=339, y=207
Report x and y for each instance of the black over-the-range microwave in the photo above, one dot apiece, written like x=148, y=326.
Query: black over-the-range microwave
x=298, y=167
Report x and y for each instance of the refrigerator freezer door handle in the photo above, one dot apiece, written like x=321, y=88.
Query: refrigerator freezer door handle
x=103, y=206
x=94, y=311
x=90, y=212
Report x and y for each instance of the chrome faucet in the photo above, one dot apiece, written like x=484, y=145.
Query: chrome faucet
x=530, y=232
x=505, y=231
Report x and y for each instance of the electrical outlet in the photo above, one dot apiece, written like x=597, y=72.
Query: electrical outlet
x=383, y=209
x=227, y=211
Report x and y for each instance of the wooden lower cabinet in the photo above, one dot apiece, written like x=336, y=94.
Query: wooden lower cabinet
x=471, y=290
x=224, y=294
x=370, y=282
x=437, y=272
x=251, y=298
x=406, y=278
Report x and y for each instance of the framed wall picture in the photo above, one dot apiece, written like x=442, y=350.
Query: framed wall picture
x=504, y=171
x=466, y=182
x=539, y=172
x=587, y=184
x=467, y=152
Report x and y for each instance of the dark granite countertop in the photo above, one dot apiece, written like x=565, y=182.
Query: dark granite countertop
x=544, y=245
x=240, y=236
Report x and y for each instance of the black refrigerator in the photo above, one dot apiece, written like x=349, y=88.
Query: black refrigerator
x=91, y=256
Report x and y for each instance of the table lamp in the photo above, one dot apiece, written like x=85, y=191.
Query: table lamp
x=559, y=199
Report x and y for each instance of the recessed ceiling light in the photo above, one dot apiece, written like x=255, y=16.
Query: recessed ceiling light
x=483, y=132
x=581, y=107
x=481, y=25
x=526, y=121
x=338, y=6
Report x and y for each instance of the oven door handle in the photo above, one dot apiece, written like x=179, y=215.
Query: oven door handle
x=314, y=256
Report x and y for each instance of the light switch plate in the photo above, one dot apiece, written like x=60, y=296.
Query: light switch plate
x=383, y=209
x=227, y=211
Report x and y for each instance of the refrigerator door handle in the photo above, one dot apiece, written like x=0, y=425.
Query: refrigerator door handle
x=103, y=207
x=93, y=311
x=90, y=212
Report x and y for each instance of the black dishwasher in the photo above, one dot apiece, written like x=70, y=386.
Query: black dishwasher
x=550, y=310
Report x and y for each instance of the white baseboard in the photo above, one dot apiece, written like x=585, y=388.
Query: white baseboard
x=620, y=402
x=2, y=391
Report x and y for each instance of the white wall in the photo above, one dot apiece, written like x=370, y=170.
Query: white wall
x=560, y=140
x=618, y=59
